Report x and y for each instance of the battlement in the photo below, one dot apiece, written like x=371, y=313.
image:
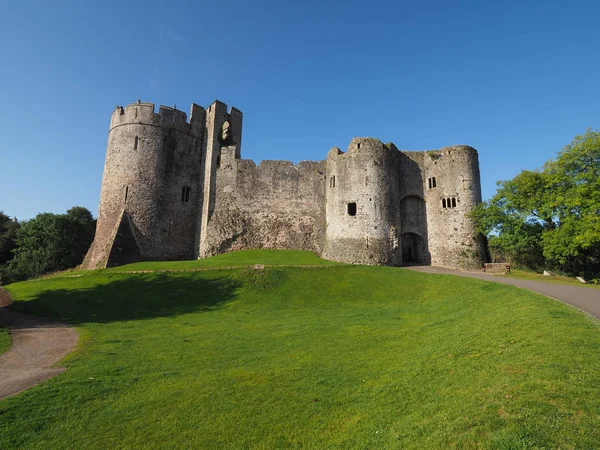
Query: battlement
x=143, y=113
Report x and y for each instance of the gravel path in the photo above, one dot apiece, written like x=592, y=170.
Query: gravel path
x=584, y=298
x=37, y=346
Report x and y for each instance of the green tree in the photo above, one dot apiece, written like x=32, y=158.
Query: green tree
x=51, y=242
x=8, y=231
x=551, y=216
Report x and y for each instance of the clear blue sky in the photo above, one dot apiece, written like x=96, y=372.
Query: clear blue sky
x=515, y=79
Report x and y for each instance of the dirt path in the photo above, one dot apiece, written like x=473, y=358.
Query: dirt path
x=37, y=345
x=583, y=298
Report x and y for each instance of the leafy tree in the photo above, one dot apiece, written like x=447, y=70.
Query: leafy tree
x=551, y=216
x=51, y=242
x=8, y=231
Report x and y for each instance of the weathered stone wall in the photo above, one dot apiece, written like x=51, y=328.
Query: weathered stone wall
x=273, y=205
x=452, y=238
x=413, y=211
x=149, y=159
x=362, y=204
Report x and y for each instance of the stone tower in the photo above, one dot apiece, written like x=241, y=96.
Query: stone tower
x=362, y=204
x=452, y=187
x=150, y=186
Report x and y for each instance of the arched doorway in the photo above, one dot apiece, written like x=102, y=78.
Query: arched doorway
x=412, y=249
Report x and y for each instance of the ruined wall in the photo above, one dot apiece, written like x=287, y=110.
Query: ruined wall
x=273, y=205
x=452, y=237
x=362, y=204
x=150, y=158
x=223, y=129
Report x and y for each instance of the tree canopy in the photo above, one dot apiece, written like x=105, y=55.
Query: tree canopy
x=550, y=217
x=51, y=242
x=8, y=232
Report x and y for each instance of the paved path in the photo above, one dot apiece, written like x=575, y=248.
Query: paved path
x=37, y=346
x=585, y=298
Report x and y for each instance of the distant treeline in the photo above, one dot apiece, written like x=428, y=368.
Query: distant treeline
x=47, y=243
x=549, y=218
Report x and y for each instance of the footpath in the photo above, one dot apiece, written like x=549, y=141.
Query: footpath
x=37, y=345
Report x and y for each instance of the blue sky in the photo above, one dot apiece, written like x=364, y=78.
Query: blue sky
x=515, y=79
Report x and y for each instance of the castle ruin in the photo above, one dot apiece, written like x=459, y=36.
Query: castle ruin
x=179, y=190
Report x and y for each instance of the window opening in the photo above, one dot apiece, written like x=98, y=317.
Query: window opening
x=443, y=203
x=135, y=143
x=332, y=181
x=185, y=194
x=432, y=183
x=453, y=202
x=218, y=161
x=352, y=209
x=126, y=193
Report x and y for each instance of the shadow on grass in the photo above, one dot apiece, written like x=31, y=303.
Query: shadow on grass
x=132, y=298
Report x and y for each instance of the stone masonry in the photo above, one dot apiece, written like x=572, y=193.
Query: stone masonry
x=175, y=190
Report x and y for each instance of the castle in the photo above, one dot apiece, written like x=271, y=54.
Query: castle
x=177, y=190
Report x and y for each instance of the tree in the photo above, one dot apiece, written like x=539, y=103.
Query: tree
x=551, y=216
x=51, y=242
x=8, y=231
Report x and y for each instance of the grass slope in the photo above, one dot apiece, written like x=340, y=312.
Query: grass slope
x=332, y=357
x=240, y=258
x=5, y=340
x=526, y=275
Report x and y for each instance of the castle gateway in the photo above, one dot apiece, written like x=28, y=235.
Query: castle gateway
x=179, y=190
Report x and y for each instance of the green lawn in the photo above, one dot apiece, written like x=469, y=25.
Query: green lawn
x=335, y=357
x=526, y=275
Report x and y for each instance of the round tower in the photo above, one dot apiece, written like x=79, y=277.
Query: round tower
x=361, y=204
x=150, y=186
x=452, y=189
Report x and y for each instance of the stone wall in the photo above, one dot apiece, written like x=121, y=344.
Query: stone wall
x=272, y=205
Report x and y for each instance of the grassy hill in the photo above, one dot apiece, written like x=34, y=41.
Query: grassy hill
x=336, y=356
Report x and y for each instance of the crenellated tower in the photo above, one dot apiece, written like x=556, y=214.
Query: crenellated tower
x=452, y=189
x=150, y=186
x=362, y=188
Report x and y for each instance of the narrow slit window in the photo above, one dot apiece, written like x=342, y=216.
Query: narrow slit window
x=135, y=143
x=429, y=183
x=218, y=161
x=443, y=203
x=433, y=182
x=126, y=193
x=185, y=194
x=332, y=181
x=352, y=209
x=453, y=202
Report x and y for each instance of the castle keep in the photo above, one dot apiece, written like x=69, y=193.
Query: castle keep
x=175, y=189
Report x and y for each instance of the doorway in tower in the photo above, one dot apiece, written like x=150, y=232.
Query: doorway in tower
x=412, y=249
